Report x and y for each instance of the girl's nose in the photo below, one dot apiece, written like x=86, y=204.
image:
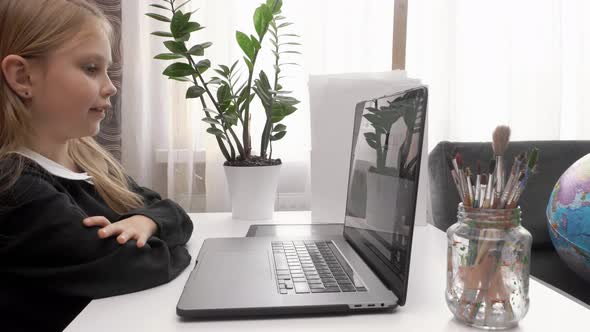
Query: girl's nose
x=109, y=89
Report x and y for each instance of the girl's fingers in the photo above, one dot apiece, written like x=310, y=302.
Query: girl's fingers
x=141, y=241
x=124, y=237
x=110, y=230
x=96, y=221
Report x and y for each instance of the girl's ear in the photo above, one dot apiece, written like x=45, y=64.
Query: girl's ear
x=17, y=73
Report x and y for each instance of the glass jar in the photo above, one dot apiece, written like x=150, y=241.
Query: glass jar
x=488, y=264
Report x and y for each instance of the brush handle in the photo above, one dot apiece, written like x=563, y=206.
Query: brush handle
x=489, y=192
x=508, y=190
x=470, y=190
x=499, y=174
x=457, y=184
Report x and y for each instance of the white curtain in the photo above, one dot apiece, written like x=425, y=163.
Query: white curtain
x=164, y=144
x=522, y=63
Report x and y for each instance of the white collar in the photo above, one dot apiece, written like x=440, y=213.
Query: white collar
x=53, y=167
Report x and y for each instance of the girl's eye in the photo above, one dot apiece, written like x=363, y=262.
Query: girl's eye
x=92, y=69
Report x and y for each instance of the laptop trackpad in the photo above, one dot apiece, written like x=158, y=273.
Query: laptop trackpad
x=238, y=275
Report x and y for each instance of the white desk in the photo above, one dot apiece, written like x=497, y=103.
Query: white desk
x=425, y=310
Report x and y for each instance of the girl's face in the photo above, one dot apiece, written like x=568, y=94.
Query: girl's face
x=72, y=93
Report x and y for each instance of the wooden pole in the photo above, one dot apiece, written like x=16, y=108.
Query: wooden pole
x=400, y=23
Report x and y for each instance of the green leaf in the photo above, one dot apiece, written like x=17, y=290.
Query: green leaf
x=215, y=80
x=230, y=117
x=206, y=44
x=279, y=127
x=197, y=50
x=178, y=24
x=180, y=79
x=162, y=34
x=233, y=66
x=224, y=96
x=262, y=17
x=208, y=110
x=194, y=92
x=287, y=100
x=175, y=46
x=249, y=64
x=217, y=132
x=289, y=35
x=220, y=72
x=178, y=69
x=158, y=17
x=255, y=42
x=245, y=44
x=278, y=136
x=161, y=7
x=167, y=56
x=203, y=65
x=211, y=121
x=293, y=52
x=282, y=25
x=271, y=3
x=183, y=38
x=190, y=27
x=225, y=70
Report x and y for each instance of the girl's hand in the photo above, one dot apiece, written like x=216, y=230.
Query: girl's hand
x=137, y=227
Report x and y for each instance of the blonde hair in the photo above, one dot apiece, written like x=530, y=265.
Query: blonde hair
x=33, y=29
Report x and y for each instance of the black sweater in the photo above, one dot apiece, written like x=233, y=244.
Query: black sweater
x=51, y=265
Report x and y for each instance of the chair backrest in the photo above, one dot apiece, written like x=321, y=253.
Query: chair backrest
x=554, y=158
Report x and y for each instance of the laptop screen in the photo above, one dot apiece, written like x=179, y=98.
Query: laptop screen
x=383, y=183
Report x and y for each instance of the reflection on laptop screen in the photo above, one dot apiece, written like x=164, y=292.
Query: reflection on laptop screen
x=383, y=183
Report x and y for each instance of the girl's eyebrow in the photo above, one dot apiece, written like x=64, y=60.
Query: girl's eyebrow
x=99, y=58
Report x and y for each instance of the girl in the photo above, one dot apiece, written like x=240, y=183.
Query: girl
x=73, y=226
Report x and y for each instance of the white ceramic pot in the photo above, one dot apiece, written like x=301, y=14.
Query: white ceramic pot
x=253, y=191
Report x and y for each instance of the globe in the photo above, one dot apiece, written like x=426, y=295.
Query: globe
x=568, y=216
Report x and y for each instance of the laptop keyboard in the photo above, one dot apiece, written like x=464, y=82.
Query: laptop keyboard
x=312, y=267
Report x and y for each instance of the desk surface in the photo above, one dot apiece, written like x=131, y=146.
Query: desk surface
x=425, y=310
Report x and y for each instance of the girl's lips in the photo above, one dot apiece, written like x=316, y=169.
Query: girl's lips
x=98, y=111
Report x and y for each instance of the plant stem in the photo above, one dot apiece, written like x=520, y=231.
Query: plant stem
x=268, y=127
x=206, y=87
x=246, y=127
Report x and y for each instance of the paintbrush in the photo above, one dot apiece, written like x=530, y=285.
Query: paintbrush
x=531, y=167
x=477, y=185
x=459, y=163
x=514, y=173
x=500, y=140
x=469, y=186
x=484, y=185
x=455, y=177
x=490, y=187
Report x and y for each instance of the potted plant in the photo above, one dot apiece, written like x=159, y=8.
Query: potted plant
x=226, y=99
x=390, y=187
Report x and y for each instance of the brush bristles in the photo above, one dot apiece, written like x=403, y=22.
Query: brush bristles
x=501, y=138
x=459, y=160
x=450, y=164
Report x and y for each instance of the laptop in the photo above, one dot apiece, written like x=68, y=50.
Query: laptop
x=363, y=269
